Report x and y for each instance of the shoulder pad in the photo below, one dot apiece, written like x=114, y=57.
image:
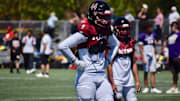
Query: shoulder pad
x=132, y=41
x=142, y=36
x=87, y=29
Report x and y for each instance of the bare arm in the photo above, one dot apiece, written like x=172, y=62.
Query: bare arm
x=136, y=75
x=110, y=76
x=161, y=23
x=142, y=53
x=140, y=14
x=155, y=50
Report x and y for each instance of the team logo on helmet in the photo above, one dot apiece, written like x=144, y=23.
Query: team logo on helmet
x=99, y=13
x=94, y=6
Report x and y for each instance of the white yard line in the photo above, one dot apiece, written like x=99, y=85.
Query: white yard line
x=30, y=78
x=42, y=98
x=74, y=97
x=161, y=95
x=17, y=78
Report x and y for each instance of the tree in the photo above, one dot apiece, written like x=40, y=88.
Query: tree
x=40, y=9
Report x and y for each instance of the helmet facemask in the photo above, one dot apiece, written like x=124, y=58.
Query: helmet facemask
x=102, y=19
x=122, y=31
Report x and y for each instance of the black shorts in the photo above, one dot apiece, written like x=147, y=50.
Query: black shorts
x=174, y=64
x=15, y=57
x=44, y=59
x=158, y=32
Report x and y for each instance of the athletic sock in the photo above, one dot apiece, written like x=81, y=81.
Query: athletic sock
x=17, y=70
x=11, y=70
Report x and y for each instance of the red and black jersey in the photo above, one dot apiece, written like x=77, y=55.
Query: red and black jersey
x=126, y=47
x=97, y=39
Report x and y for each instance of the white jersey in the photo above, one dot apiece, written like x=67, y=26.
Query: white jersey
x=173, y=17
x=46, y=40
x=148, y=41
x=122, y=71
x=95, y=62
x=29, y=43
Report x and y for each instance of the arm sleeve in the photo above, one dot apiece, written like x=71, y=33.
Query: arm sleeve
x=44, y=40
x=55, y=18
x=178, y=16
x=114, y=46
x=23, y=40
x=141, y=39
x=132, y=18
x=66, y=45
x=34, y=42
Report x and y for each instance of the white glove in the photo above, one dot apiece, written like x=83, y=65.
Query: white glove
x=106, y=63
x=80, y=64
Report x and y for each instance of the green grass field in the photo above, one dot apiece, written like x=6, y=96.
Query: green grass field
x=60, y=87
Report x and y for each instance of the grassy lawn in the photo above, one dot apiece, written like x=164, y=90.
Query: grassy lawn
x=60, y=87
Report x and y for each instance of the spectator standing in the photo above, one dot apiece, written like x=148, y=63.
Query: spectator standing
x=174, y=15
x=113, y=16
x=29, y=43
x=8, y=36
x=75, y=21
x=51, y=23
x=129, y=16
x=174, y=56
x=83, y=18
x=45, y=51
x=159, y=20
x=15, y=52
x=143, y=14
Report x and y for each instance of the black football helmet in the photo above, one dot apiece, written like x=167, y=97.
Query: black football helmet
x=121, y=28
x=99, y=13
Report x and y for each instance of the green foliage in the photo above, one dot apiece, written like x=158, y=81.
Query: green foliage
x=40, y=9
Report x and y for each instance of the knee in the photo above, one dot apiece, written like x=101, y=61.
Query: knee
x=85, y=99
x=131, y=99
x=106, y=99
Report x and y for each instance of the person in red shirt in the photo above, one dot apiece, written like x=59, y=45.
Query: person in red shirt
x=8, y=35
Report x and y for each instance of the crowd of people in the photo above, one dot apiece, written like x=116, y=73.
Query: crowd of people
x=26, y=48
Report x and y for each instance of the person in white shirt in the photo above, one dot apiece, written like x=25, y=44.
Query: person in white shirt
x=51, y=23
x=129, y=16
x=174, y=15
x=45, y=50
x=29, y=43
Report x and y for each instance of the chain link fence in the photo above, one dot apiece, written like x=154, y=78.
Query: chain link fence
x=63, y=30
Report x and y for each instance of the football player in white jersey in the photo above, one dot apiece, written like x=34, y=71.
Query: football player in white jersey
x=123, y=67
x=93, y=38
